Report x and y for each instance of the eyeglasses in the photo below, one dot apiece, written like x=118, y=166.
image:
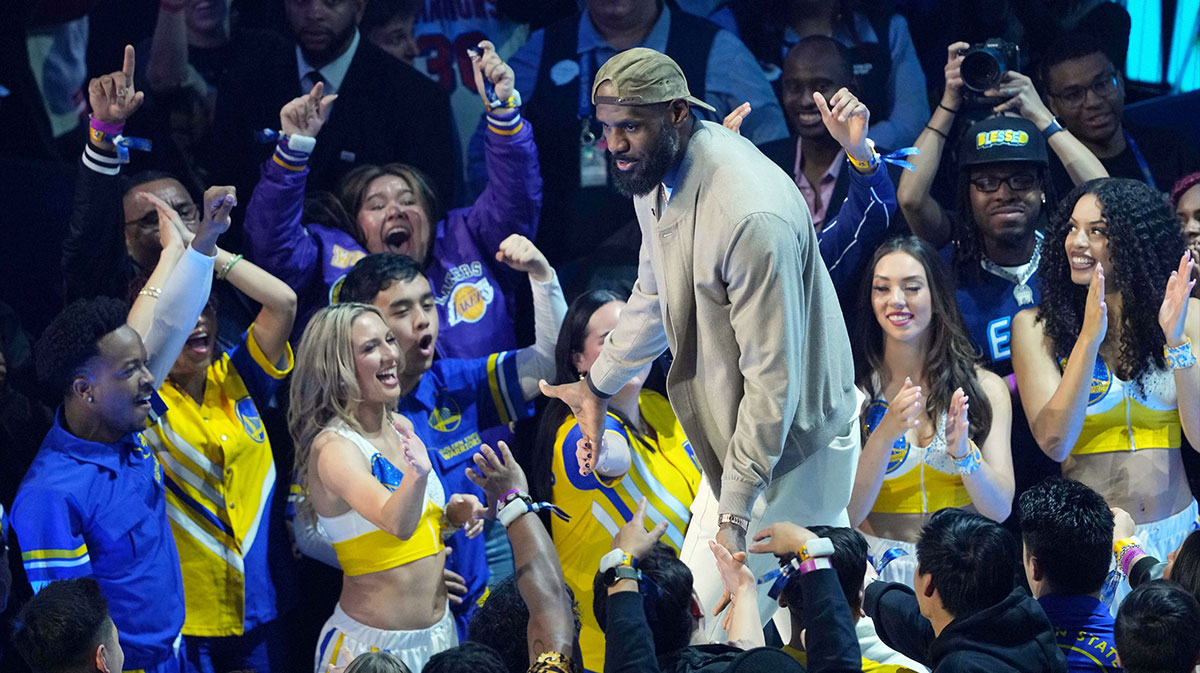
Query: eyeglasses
x=188, y=212
x=1020, y=182
x=1103, y=86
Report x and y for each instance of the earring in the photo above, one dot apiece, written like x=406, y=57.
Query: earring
x=582, y=375
x=90, y=400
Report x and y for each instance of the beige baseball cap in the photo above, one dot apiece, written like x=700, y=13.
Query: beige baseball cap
x=643, y=76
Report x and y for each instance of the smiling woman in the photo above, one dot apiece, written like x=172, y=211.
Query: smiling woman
x=936, y=425
x=394, y=208
x=1106, y=365
x=370, y=487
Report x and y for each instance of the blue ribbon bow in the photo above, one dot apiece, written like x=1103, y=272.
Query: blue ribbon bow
x=553, y=509
x=126, y=143
x=897, y=158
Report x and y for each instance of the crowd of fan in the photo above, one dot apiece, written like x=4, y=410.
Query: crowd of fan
x=296, y=368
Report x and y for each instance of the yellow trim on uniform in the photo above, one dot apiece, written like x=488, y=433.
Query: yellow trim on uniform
x=270, y=367
x=494, y=386
x=507, y=132
x=40, y=554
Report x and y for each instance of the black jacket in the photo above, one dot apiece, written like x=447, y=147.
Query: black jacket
x=629, y=644
x=1012, y=636
x=385, y=112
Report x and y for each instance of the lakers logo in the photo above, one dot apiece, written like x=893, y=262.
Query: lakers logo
x=251, y=422
x=446, y=415
x=469, y=301
x=343, y=258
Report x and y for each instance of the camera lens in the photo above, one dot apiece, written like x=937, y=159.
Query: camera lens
x=981, y=70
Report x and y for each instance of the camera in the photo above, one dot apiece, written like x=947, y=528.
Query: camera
x=984, y=65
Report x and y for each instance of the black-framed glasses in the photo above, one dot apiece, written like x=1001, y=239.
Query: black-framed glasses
x=1021, y=182
x=1103, y=86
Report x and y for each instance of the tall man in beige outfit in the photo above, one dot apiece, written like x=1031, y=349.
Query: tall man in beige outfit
x=730, y=278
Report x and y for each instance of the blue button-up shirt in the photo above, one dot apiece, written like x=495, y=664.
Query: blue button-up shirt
x=90, y=509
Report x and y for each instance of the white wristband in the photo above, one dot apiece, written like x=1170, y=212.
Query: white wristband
x=515, y=509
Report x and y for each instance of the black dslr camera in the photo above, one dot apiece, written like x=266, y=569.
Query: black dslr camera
x=983, y=65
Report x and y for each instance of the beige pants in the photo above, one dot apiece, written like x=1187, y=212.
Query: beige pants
x=815, y=493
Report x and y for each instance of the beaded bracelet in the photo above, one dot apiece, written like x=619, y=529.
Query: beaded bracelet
x=1181, y=356
x=150, y=291
x=228, y=265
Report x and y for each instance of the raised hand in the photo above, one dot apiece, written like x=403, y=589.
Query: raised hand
x=957, y=426
x=633, y=537
x=306, y=114
x=488, y=64
x=1095, y=312
x=112, y=97
x=521, y=254
x=589, y=411
x=1172, y=315
x=1022, y=98
x=847, y=120
x=733, y=120
x=415, y=452
x=583, y=455
x=953, y=94
x=218, y=202
x=497, y=472
x=903, y=413
x=736, y=577
x=465, y=510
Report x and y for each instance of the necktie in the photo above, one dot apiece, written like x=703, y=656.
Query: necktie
x=311, y=80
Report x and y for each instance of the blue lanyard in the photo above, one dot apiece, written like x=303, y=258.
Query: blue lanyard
x=1141, y=160
x=585, y=85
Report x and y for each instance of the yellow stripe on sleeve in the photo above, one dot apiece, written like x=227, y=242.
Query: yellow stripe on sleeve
x=41, y=554
x=494, y=384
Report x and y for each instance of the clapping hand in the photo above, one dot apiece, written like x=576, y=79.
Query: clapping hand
x=1172, y=315
x=112, y=97
x=957, y=426
x=306, y=114
x=1095, y=311
x=903, y=414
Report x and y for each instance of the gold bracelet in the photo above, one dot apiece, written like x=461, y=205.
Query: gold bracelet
x=150, y=291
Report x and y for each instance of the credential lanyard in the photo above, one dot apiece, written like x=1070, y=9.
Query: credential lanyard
x=585, y=85
x=1141, y=160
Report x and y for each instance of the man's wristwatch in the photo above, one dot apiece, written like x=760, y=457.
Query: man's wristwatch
x=734, y=520
x=619, y=565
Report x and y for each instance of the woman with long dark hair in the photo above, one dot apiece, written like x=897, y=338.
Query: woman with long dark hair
x=936, y=424
x=1106, y=365
x=644, y=453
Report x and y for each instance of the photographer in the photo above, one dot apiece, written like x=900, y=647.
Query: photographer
x=1002, y=187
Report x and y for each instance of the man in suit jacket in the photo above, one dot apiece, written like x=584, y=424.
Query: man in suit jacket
x=385, y=110
x=730, y=278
